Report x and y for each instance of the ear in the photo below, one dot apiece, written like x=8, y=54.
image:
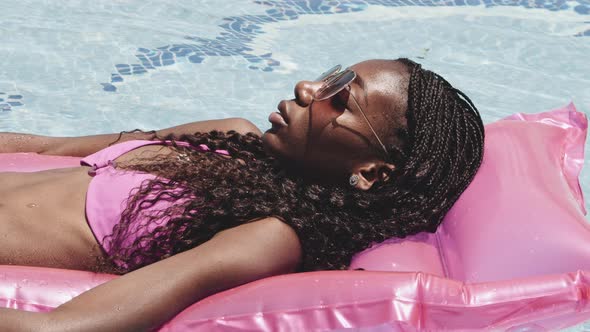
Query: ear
x=372, y=172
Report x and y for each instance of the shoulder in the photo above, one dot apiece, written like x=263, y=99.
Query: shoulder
x=266, y=244
x=269, y=237
x=244, y=126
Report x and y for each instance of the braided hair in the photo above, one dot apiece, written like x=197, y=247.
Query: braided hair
x=442, y=152
x=436, y=154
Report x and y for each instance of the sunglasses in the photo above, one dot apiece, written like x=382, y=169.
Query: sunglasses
x=336, y=81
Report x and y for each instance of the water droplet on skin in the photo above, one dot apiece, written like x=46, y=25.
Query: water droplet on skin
x=32, y=205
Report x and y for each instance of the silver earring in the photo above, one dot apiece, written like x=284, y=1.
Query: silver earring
x=354, y=180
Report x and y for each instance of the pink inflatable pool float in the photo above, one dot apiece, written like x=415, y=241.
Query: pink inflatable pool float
x=512, y=254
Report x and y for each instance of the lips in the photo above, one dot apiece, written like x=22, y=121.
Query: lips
x=279, y=118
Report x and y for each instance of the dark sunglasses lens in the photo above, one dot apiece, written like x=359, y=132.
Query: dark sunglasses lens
x=326, y=74
x=335, y=85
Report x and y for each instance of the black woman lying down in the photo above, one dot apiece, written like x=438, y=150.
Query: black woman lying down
x=383, y=148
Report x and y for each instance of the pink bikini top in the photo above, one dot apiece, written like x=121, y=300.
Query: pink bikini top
x=110, y=188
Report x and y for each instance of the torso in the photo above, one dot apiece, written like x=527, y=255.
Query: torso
x=42, y=216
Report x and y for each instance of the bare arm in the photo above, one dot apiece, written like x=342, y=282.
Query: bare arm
x=85, y=145
x=146, y=298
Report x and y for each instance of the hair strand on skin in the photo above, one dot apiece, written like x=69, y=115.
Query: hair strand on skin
x=436, y=155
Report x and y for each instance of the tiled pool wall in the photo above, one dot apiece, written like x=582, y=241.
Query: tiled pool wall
x=239, y=31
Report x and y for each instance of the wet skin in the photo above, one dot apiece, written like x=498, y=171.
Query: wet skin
x=42, y=218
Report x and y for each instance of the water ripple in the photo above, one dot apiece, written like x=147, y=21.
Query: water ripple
x=239, y=31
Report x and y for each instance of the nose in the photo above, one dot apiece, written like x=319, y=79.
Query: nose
x=304, y=92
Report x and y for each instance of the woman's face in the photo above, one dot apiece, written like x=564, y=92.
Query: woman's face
x=327, y=140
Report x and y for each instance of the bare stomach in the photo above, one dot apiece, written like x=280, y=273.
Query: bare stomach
x=43, y=222
x=43, y=215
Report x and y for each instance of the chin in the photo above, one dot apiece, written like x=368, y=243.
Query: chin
x=270, y=142
x=275, y=147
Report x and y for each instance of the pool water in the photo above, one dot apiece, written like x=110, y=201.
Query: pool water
x=79, y=68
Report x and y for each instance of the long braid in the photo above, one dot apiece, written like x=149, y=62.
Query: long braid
x=437, y=155
x=445, y=144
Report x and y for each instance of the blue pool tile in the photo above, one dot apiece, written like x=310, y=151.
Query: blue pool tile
x=156, y=61
x=291, y=13
x=108, y=87
x=239, y=31
x=123, y=69
x=8, y=101
x=138, y=69
x=145, y=62
x=581, y=9
x=179, y=49
x=195, y=59
x=116, y=78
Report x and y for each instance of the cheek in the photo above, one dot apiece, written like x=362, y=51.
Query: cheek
x=326, y=167
x=333, y=152
x=323, y=118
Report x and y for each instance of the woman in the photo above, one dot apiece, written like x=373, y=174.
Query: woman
x=381, y=149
